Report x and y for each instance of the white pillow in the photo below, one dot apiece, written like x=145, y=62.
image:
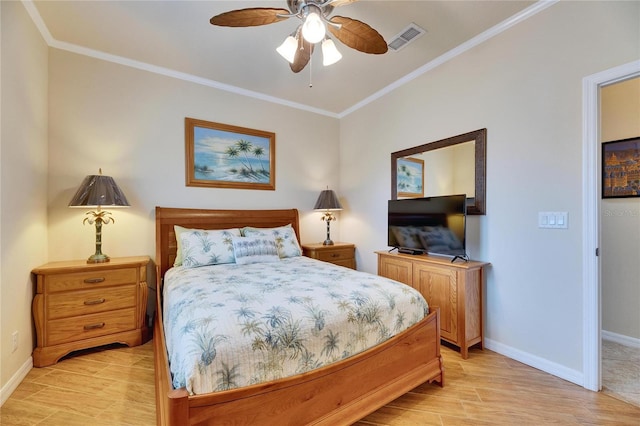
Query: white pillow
x=207, y=247
x=285, y=238
x=179, y=230
x=255, y=250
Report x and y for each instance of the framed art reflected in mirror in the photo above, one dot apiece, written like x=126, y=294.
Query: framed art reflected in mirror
x=410, y=172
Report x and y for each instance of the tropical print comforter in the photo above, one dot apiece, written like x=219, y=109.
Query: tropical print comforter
x=231, y=325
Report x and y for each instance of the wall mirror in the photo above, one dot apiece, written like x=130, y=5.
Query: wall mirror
x=456, y=165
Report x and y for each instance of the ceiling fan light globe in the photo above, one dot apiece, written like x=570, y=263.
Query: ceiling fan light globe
x=330, y=54
x=288, y=49
x=313, y=29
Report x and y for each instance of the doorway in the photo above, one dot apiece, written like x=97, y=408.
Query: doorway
x=592, y=314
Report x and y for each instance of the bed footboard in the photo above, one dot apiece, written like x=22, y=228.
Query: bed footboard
x=339, y=394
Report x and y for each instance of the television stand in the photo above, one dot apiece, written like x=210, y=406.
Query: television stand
x=462, y=257
x=456, y=288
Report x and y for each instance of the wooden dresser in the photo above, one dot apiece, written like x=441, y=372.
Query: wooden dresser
x=343, y=254
x=456, y=288
x=79, y=305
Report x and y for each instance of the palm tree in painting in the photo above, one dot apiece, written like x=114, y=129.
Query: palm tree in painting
x=259, y=152
x=406, y=171
x=233, y=152
x=244, y=147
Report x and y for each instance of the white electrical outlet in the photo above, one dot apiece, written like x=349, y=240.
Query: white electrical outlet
x=14, y=341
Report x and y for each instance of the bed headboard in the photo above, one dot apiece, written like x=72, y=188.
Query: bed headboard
x=167, y=217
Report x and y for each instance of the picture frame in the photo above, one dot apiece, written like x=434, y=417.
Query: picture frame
x=225, y=156
x=621, y=168
x=410, y=177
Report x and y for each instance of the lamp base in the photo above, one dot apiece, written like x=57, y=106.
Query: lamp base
x=327, y=243
x=98, y=258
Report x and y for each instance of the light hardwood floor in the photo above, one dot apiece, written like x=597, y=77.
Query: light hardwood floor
x=115, y=387
x=621, y=371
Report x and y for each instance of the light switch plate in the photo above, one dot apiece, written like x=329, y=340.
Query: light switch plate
x=554, y=220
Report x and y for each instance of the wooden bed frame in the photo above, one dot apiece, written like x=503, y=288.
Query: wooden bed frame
x=338, y=394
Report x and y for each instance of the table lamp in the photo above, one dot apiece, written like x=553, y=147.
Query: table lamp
x=328, y=202
x=97, y=191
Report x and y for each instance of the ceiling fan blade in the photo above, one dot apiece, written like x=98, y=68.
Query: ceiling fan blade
x=303, y=55
x=338, y=3
x=249, y=17
x=358, y=35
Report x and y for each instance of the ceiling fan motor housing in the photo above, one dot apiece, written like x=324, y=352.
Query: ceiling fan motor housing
x=301, y=7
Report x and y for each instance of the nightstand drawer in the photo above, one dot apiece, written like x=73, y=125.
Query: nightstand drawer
x=88, y=326
x=93, y=279
x=343, y=254
x=334, y=255
x=83, y=302
x=348, y=263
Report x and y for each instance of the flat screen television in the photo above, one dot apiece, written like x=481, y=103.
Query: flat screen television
x=434, y=225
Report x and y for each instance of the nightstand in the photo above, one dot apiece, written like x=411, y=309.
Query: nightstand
x=343, y=254
x=79, y=305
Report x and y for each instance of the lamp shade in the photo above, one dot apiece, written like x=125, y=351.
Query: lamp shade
x=99, y=190
x=328, y=201
x=330, y=54
x=288, y=49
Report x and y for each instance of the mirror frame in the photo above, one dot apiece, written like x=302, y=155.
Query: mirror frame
x=479, y=137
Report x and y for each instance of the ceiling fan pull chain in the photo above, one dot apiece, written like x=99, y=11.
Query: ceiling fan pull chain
x=311, y=72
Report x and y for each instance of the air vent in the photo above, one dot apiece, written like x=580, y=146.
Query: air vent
x=406, y=36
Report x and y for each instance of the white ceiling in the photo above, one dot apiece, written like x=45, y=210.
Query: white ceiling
x=176, y=37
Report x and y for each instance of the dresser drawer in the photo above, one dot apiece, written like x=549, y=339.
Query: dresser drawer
x=88, y=326
x=90, y=279
x=335, y=254
x=83, y=302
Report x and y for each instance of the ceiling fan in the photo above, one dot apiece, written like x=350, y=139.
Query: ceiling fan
x=314, y=14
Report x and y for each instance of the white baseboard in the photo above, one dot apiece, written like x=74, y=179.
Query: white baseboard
x=621, y=338
x=557, y=370
x=15, y=381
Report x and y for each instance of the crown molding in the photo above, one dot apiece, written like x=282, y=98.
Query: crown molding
x=456, y=51
x=469, y=44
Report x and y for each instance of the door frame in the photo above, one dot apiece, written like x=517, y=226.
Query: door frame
x=592, y=312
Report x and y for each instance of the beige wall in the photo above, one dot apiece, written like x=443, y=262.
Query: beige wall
x=620, y=220
x=23, y=184
x=525, y=87
x=130, y=123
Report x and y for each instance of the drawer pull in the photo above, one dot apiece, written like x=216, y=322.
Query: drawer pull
x=94, y=326
x=94, y=280
x=94, y=301
x=335, y=255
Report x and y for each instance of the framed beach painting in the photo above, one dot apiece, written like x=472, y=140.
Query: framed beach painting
x=410, y=177
x=621, y=168
x=225, y=156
